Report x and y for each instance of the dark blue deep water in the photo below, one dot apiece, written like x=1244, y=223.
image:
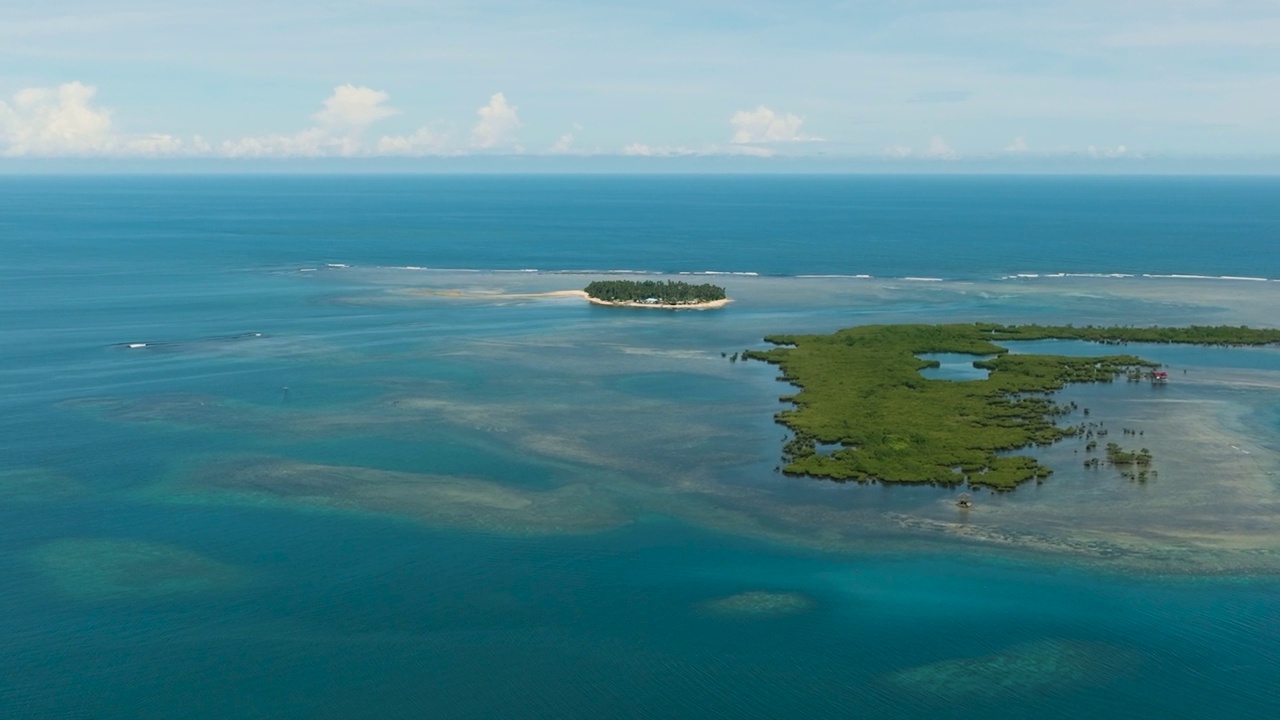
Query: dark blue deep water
x=167, y=551
x=885, y=226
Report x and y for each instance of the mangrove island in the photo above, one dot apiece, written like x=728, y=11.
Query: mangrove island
x=669, y=294
x=864, y=412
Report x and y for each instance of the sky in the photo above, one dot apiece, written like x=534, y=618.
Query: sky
x=920, y=82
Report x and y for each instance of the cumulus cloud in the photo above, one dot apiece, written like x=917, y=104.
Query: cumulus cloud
x=564, y=144
x=66, y=121
x=424, y=141
x=339, y=128
x=63, y=121
x=497, y=121
x=763, y=125
x=938, y=148
x=1019, y=145
x=898, y=151
x=353, y=108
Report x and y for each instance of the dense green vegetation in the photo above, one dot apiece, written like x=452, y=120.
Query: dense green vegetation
x=664, y=292
x=861, y=389
x=1191, y=335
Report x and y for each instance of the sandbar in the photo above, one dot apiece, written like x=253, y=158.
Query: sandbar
x=481, y=295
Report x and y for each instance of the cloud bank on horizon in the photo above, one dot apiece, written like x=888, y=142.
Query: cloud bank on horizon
x=932, y=81
x=64, y=121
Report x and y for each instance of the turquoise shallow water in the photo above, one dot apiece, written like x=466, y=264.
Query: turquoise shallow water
x=319, y=494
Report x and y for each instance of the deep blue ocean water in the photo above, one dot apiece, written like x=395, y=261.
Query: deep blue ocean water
x=164, y=553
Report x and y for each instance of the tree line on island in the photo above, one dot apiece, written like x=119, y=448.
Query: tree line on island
x=663, y=292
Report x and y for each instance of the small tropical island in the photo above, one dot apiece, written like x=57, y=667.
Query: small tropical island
x=661, y=294
x=865, y=413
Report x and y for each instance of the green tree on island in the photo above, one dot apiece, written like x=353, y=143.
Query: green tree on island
x=664, y=292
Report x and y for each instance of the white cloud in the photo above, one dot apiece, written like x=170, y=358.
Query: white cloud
x=63, y=121
x=424, y=141
x=353, y=108
x=1019, y=145
x=564, y=144
x=339, y=129
x=750, y=150
x=1108, y=152
x=643, y=150
x=763, y=125
x=497, y=121
x=938, y=148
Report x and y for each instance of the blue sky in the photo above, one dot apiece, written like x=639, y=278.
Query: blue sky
x=915, y=80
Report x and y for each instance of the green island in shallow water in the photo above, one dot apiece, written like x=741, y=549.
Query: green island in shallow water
x=671, y=294
x=862, y=396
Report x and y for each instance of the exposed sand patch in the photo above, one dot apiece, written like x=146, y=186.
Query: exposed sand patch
x=494, y=294
x=504, y=295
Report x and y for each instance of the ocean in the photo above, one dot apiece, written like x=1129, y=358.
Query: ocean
x=331, y=447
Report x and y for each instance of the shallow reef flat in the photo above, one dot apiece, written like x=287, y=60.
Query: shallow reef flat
x=1212, y=508
x=643, y=416
x=460, y=502
x=124, y=569
x=36, y=485
x=179, y=409
x=1018, y=671
x=759, y=604
x=242, y=346
x=197, y=410
x=1209, y=511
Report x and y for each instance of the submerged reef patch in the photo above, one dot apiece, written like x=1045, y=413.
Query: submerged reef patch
x=1019, y=670
x=759, y=603
x=122, y=569
x=435, y=499
x=182, y=409
x=36, y=485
